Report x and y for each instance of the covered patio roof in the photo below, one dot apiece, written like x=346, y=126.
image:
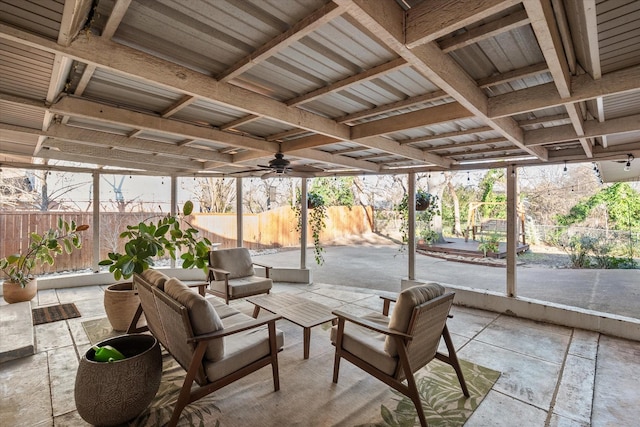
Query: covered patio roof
x=341, y=87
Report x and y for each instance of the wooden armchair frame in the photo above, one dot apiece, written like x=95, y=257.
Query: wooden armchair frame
x=409, y=358
x=228, y=282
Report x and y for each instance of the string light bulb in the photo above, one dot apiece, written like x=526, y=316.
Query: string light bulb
x=627, y=166
x=565, y=168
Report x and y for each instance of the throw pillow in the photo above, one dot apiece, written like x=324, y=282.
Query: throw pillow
x=204, y=318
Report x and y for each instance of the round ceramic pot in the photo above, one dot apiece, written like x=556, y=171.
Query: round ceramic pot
x=13, y=292
x=112, y=393
x=120, y=303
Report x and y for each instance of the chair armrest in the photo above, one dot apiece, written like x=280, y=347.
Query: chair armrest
x=370, y=325
x=262, y=265
x=251, y=324
x=267, y=268
x=386, y=303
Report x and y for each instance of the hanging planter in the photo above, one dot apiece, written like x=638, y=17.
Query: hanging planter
x=423, y=200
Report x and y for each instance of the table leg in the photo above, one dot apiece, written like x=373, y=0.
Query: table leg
x=307, y=341
x=256, y=311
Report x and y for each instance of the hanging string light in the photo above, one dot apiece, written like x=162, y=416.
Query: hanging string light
x=565, y=168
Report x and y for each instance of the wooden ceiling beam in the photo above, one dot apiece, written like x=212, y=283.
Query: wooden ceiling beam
x=162, y=73
x=583, y=88
x=299, y=30
x=419, y=118
x=485, y=31
x=184, y=102
x=239, y=122
x=549, y=38
x=465, y=144
x=433, y=19
x=385, y=20
x=102, y=152
x=86, y=136
x=446, y=135
x=370, y=74
x=82, y=108
x=593, y=129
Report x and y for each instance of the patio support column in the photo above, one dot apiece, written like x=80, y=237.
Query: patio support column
x=96, y=222
x=303, y=220
x=239, y=214
x=512, y=229
x=174, y=205
x=411, y=208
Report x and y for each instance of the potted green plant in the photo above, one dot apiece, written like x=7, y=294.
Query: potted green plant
x=21, y=284
x=489, y=244
x=148, y=240
x=317, y=217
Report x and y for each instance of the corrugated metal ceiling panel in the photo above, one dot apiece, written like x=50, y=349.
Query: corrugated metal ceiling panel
x=618, y=34
x=208, y=36
x=333, y=52
x=40, y=17
x=262, y=127
x=21, y=115
x=621, y=105
x=24, y=71
x=207, y=112
x=130, y=92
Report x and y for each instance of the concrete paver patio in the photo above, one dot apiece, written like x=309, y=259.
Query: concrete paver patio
x=551, y=375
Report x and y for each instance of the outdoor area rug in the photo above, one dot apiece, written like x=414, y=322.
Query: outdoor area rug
x=54, y=313
x=307, y=395
x=99, y=330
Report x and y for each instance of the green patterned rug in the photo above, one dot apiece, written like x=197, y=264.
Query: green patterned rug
x=308, y=397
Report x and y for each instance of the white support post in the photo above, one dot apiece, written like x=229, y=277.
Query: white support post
x=303, y=218
x=512, y=229
x=174, y=205
x=239, y=214
x=411, y=208
x=96, y=222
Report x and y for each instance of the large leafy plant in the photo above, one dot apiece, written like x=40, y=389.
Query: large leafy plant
x=151, y=239
x=42, y=249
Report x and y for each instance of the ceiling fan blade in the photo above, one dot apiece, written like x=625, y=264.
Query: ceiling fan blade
x=306, y=168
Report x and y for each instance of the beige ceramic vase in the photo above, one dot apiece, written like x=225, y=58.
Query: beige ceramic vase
x=13, y=292
x=120, y=303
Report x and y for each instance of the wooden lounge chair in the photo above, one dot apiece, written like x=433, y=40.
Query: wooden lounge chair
x=197, y=330
x=232, y=276
x=393, y=349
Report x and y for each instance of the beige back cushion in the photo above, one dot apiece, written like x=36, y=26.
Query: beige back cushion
x=155, y=277
x=407, y=300
x=236, y=261
x=204, y=318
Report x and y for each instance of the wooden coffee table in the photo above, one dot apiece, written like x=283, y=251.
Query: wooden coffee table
x=297, y=310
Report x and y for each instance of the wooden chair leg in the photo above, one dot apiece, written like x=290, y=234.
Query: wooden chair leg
x=274, y=356
x=453, y=360
x=336, y=362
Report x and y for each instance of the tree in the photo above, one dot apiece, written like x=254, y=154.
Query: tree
x=215, y=195
x=336, y=191
x=622, y=207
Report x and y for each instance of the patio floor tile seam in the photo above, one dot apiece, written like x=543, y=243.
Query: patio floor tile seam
x=556, y=389
x=475, y=336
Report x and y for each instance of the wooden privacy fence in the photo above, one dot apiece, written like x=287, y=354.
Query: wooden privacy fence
x=271, y=229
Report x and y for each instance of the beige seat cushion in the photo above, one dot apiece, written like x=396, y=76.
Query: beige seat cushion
x=155, y=277
x=367, y=344
x=407, y=300
x=221, y=308
x=245, y=286
x=204, y=318
x=241, y=349
x=237, y=261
